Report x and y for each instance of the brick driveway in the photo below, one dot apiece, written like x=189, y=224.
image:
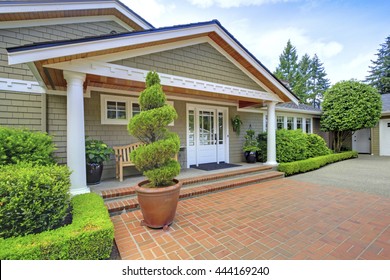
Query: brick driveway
x=281, y=219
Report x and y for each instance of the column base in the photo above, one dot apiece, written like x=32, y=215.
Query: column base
x=79, y=190
x=271, y=163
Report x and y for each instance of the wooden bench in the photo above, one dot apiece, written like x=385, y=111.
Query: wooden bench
x=122, y=158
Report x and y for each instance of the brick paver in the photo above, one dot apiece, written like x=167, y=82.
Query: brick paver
x=281, y=219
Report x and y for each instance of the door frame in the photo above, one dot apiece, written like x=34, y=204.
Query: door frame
x=217, y=109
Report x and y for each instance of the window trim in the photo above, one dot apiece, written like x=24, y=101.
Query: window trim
x=104, y=99
x=285, y=116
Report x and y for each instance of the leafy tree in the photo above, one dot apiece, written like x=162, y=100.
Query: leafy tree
x=317, y=83
x=380, y=71
x=301, y=87
x=154, y=158
x=349, y=106
x=288, y=65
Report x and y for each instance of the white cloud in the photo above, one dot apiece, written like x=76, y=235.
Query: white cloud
x=234, y=3
x=151, y=10
x=356, y=68
x=269, y=45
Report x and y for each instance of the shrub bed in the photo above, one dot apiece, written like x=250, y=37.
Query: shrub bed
x=293, y=145
x=17, y=145
x=302, y=166
x=32, y=198
x=89, y=236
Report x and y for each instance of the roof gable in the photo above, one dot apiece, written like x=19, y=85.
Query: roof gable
x=19, y=13
x=212, y=31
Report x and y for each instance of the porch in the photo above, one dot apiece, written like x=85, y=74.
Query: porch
x=120, y=197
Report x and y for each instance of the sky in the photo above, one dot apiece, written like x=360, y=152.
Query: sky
x=345, y=34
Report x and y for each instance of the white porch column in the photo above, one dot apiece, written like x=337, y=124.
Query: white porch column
x=271, y=134
x=76, y=132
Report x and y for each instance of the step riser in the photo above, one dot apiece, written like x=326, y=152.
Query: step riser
x=124, y=192
x=132, y=204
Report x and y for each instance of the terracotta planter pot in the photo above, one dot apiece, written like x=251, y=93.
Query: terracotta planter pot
x=158, y=205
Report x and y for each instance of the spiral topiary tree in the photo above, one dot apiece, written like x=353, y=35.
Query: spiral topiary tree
x=155, y=158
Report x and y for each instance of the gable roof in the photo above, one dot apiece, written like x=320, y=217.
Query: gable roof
x=103, y=45
x=289, y=106
x=19, y=11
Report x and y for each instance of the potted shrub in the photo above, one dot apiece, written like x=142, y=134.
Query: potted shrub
x=250, y=147
x=159, y=194
x=96, y=152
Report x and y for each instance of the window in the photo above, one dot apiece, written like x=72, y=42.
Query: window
x=308, y=125
x=299, y=123
x=290, y=123
x=114, y=109
x=135, y=109
x=119, y=109
x=191, y=127
x=279, y=122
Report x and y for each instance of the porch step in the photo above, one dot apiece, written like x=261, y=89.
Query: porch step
x=121, y=192
x=128, y=203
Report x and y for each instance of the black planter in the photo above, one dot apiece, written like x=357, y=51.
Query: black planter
x=94, y=173
x=250, y=157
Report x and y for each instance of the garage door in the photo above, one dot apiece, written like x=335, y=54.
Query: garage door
x=384, y=137
x=361, y=141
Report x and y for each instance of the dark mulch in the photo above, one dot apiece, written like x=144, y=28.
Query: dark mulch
x=115, y=253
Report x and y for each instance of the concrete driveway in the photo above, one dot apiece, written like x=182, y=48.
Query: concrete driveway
x=367, y=173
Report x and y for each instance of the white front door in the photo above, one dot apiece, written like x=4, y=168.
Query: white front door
x=384, y=137
x=361, y=141
x=206, y=135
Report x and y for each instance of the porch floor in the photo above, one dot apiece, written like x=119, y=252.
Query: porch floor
x=185, y=173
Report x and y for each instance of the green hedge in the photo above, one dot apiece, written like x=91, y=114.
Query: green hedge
x=32, y=198
x=21, y=145
x=302, y=166
x=89, y=236
x=293, y=145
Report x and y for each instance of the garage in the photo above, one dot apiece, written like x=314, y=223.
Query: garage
x=384, y=137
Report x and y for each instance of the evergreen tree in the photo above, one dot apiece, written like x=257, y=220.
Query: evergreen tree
x=317, y=83
x=288, y=65
x=301, y=87
x=380, y=70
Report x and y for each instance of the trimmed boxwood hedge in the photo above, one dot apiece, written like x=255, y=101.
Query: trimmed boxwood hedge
x=33, y=198
x=22, y=145
x=302, y=166
x=89, y=237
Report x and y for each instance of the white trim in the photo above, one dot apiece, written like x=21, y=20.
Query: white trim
x=175, y=45
x=285, y=116
x=37, y=54
x=70, y=6
x=64, y=93
x=20, y=86
x=196, y=107
x=134, y=74
x=103, y=109
x=151, y=49
x=64, y=50
x=57, y=21
x=129, y=108
x=169, y=97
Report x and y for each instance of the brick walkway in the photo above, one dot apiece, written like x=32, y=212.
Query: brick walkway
x=281, y=219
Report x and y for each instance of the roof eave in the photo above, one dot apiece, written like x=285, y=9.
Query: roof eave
x=39, y=6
